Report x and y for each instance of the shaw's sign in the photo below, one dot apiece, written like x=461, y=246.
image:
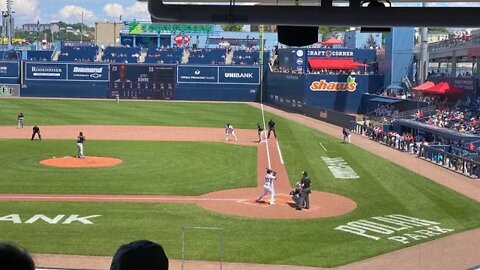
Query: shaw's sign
x=323, y=85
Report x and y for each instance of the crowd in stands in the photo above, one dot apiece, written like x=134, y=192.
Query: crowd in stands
x=207, y=56
x=386, y=110
x=39, y=55
x=280, y=69
x=164, y=55
x=78, y=53
x=401, y=141
x=337, y=72
x=449, y=43
x=123, y=54
x=443, y=74
x=248, y=56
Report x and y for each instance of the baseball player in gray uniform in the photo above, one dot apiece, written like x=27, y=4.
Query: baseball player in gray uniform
x=80, y=140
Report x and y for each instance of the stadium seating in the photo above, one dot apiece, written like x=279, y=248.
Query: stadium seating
x=207, y=56
x=122, y=54
x=164, y=55
x=78, y=53
x=39, y=55
x=245, y=57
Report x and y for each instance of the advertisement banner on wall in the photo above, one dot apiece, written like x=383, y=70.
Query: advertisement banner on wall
x=88, y=72
x=45, y=71
x=9, y=70
x=197, y=74
x=218, y=74
x=9, y=90
x=239, y=75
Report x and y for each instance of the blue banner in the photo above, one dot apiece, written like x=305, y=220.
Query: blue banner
x=197, y=74
x=88, y=72
x=9, y=70
x=45, y=71
x=239, y=75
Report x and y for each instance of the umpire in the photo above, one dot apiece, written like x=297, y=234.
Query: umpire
x=271, y=127
x=304, y=200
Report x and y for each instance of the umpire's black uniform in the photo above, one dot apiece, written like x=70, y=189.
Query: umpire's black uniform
x=36, y=130
x=304, y=200
x=271, y=127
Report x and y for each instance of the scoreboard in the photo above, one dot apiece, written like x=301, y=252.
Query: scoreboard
x=142, y=81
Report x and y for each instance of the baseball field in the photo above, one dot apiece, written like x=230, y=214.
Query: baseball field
x=395, y=208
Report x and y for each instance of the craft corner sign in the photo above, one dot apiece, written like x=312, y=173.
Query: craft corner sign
x=399, y=228
x=40, y=218
x=322, y=85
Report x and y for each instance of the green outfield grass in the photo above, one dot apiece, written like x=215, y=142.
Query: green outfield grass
x=168, y=168
x=107, y=112
x=382, y=189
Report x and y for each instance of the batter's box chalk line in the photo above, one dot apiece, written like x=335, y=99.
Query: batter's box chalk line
x=282, y=200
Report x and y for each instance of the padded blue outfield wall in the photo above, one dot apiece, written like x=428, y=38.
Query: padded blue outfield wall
x=9, y=72
x=341, y=93
x=228, y=83
x=48, y=79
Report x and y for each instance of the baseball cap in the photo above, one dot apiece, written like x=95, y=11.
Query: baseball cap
x=140, y=255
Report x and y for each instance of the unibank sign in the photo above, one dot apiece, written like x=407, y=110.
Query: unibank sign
x=323, y=85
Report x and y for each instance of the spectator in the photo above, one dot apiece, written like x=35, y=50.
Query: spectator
x=140, y=255
x=15, y=258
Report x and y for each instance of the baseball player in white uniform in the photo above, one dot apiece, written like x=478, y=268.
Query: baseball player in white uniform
x=229, y=132
x=268, y=187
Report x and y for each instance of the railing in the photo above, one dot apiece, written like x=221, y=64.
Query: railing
x=450, y=161
x=462, y=165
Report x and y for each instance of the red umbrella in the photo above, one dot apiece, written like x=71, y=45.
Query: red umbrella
x=332, y=41
x=424, y=86
x=444, y=88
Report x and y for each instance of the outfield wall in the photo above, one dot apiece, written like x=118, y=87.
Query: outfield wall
x=48, y=79
x=342, y=93
x=9, y=72
x=230, y=83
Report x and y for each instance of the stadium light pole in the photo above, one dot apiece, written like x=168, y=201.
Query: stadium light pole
x=81, y=31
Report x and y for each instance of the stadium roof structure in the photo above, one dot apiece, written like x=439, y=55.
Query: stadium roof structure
x=369, y=13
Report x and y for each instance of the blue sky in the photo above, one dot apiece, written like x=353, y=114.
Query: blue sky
x=46, y=11
x=29, y=11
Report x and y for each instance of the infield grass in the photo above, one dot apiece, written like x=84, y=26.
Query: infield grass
x=382, y=189
x=168, y=168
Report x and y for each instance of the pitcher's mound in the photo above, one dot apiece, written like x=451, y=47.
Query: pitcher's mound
x=87, y=162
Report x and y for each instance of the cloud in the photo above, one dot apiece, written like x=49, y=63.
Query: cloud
x=138, y=11
x=73, y=14
x=25, y=10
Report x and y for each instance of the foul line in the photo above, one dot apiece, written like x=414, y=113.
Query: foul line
x=13, y=197
x=280, y=153
x=323, y=147
x=265, y=128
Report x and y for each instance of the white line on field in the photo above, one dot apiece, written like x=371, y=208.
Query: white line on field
x=323, y=147
x=280, y=153
x=113, y=198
